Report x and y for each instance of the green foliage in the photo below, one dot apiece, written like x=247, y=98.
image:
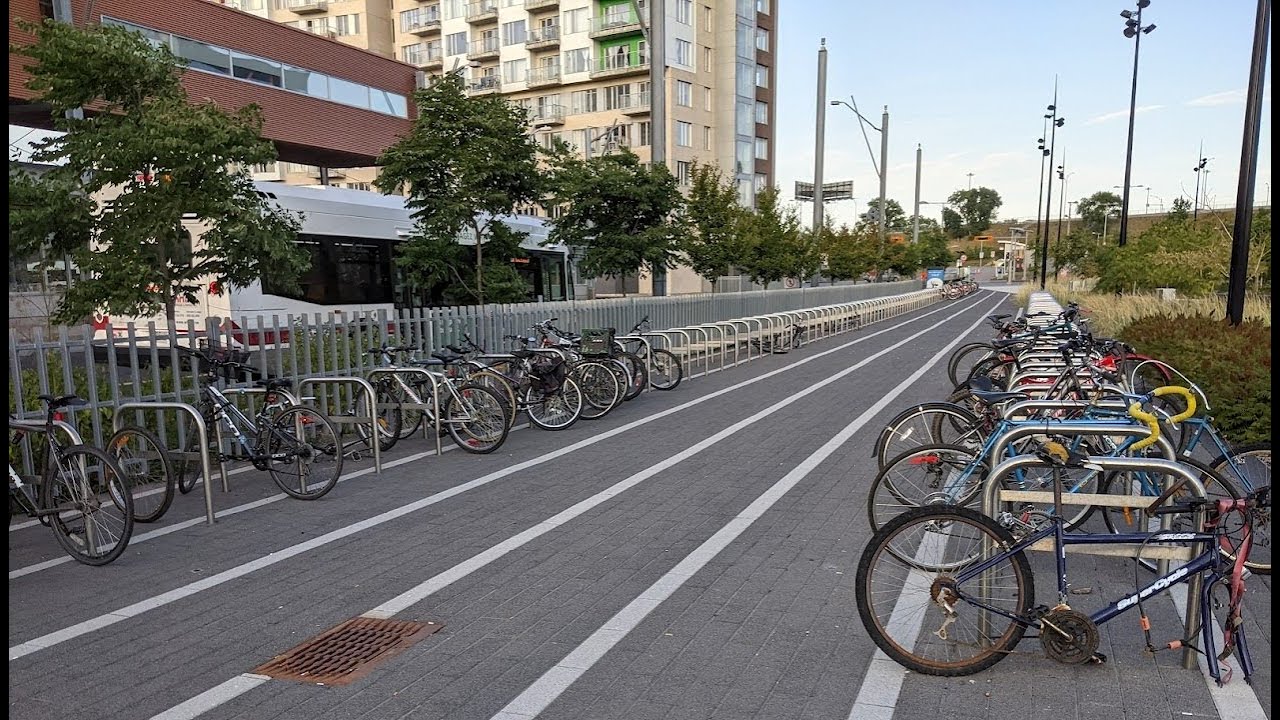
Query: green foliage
x=932, y=250
x=849, y=253
x=952, y=223
x=153, y=156
x=713, y=217
x=1098, y=212
x=1231, y=364
x=624, y=217
x=1077, y=250
x=895, y=217
x=465, y=162
x=772, y=245
x=1191, y=258
x=976, y=207
x=1181, y=209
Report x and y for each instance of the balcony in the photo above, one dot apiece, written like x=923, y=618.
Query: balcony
x=618, y=65
x=547, y=36
x=428, y=58
x=485, y=85
x=547, y=115
x=314, y=172
x=540, y=76
x=624, y=23
x=637, y=104
x=483, y=49
x=319, y=27
x=534, y=5
x=307, y=7
x=483, y=11
x=422, y=25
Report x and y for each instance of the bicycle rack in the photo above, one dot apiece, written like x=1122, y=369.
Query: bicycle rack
x=993, y=495
x=202, y=438
x=372, y=419
x=435, y=396
x=648, y=355
x=26, y=426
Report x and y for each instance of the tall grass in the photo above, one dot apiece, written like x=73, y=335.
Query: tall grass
x=1109, y=314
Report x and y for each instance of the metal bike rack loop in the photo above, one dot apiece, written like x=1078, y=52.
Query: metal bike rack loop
x=202, y=440
x=372, y=419
x=435, y=395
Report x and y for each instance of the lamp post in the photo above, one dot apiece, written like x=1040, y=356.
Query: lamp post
x=1200, y=166
x=970, y=181
x=1132, y=29
x=880, y=168
x=1055, y=122
x=1044, y=153
x=1062, y=196
x=1070, y=211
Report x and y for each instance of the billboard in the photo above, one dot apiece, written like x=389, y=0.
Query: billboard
x=831, y=191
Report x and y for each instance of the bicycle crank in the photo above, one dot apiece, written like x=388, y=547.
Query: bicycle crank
x=1070, y=637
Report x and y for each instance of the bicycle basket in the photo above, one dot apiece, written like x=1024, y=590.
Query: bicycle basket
x=546, y=375
x=597, y=342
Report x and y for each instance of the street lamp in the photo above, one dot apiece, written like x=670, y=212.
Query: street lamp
x=1055, y=122
x=1200, y=166
x=1133, y=28
x=881, y=169
x=1044, y=153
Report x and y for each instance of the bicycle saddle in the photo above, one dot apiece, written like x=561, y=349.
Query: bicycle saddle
x=446, y=358
x=62, y=401
x=1059, y=455
x=274, y=383
x=986, y=391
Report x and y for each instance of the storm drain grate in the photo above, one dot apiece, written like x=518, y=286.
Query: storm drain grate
x=346, y=652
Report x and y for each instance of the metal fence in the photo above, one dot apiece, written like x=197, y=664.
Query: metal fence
x=142, y=364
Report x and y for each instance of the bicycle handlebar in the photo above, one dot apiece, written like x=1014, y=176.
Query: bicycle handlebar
x=1153, y=422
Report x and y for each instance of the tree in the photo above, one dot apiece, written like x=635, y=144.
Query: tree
x=849, y=253
x=772, y=245
x=1075, y=251
x=626, y=217
x=1181, y=209
x=1097, y=210
x=952, y=223
x=895, y=217
x=931, y=250
x=1189, y=257
x=466, y=162
x=713, y=216
x=976, y=208
x=124, y=177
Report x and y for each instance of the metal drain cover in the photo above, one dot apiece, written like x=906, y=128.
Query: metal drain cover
x=346, y=652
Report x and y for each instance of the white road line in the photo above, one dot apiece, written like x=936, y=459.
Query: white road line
x=554, y=682
x=213, y=697
x=480, y=560
x=73, y=631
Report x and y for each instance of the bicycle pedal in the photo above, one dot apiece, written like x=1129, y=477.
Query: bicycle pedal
x=1097, y=659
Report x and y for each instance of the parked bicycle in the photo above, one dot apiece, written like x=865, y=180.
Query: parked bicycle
x=664, y=368
x=295, y=444
x=82, y=494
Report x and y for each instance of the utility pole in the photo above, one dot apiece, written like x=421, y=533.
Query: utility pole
x=1243, y=225
x=915, y=220
x=884, y=169
x=820, y=134
x=970, y=181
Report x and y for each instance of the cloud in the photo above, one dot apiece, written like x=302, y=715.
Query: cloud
x=1121, y=114
x=1230, y=97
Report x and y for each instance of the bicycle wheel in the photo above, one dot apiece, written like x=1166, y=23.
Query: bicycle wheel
x=921, y=476
x=387, y=417
x=1249, y=468
x=304, y=454
x=146, y=465
x=500, y=385
x=919, y=611
x=601, y=385
x=410, y=418
x=82, y=495
x=556, y=410
x=187, y=467
x=665, y=370
x=927, y=424
x=637, y=375
x=1134, y=519
x=964, y=358
x=477, y=420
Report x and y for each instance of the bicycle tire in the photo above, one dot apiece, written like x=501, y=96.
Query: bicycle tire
x=189, y=470
x=410, y=418
x=77, y=495
x=501, y=385
x=921, y=477
x=146, y=464
x=907, y=642
x=956, y=360
x=318, y=452
x=484, y=427
x=1244, y=467
x=637, y=374
x=926, y=424
x=666, y=371
x=387, y=420
x=601, y=384
x=567, y=397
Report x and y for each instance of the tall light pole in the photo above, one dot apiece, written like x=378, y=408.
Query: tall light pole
x=1055, y=122
x=1243, y=225
x=1195, y=212
x=1044, y=154
x=881, y=170
x=884, y=169
x=970, y=181
x=1132, y=29
x=820, y=134
x=1062, y=196
x=915, y=218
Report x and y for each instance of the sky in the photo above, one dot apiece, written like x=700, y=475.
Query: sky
x=970, y=82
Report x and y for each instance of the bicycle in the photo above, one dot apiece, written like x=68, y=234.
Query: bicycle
x=82, y=493
x=295, y=444
x=782, y=342
x=664, y=368
x=972, y=570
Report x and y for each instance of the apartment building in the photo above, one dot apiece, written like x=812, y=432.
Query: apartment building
x=582, y=68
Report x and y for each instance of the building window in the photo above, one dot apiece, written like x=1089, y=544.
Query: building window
x=575, y=21
x=644, y=133
x=455, y=44
x=706, y=59
x=514, y=70
x=762, y=76
x=684, y=53
x=684, y=134
x=342, y=271
x=684, y=93
x=514, y=33
x=744, y=40
x=360, y=186
x=743, y=119
x=617, y=97
x=583, y=101
x=762, y=149
x=762, y=182
x=346, y=25
x=762, y=6
x=706, y=99
x=762, y=39
x=684, y=171
x=576, y=61
x=684, y=11
x=762, y=113
x=744, y=157
x=706, y=138
x=453, y=8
